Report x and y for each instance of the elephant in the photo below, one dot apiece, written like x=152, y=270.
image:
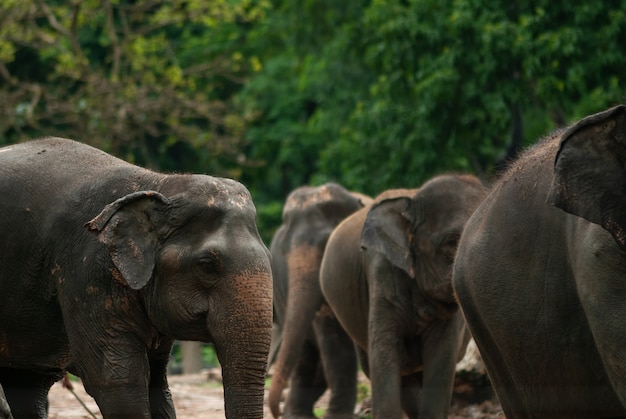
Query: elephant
x=386, y=274
x=103, y=264
x=314, y=352
x=540, y=273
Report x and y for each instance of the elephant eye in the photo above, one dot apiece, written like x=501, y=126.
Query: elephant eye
x=209, y=262
x=206, y=265
x=449, y=245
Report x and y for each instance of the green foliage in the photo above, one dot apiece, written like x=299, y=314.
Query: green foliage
x=148, y=81
x=372, y=94
x=363, y=391
x=209, y=356
x=398, y=91
x=319, y=412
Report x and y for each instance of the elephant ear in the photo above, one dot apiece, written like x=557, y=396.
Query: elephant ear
x=589, y=171
x=128, y=228
x=388, y=230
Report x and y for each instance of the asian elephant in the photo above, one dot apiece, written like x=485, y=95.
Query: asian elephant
x=540, y=275
x=315, y=353
x=386, y=274
x=103, y=264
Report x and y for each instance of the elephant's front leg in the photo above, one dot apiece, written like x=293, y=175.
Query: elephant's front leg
x=384, y=361
x=443, y=343
x=161, y=404
x=117, y=375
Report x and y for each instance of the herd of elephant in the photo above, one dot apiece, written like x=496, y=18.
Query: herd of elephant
x=104, y=264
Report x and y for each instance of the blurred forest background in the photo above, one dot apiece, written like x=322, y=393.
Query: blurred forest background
x=279, y=93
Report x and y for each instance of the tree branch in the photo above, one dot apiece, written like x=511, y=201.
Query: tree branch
x=117, y=49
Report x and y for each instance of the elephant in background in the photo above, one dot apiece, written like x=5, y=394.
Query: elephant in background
x=540, y=275
x=103, y=264
x=314, y=354
x=386, y=274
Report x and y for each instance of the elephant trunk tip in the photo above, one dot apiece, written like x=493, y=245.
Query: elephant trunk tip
x=276, y=391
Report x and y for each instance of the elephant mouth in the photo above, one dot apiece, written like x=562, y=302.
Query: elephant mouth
x=185, y=326
x=437, y=309
x=412, y=361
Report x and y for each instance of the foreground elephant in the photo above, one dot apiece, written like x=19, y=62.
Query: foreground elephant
x=544, y=291
x=386, y=274
x=315, y=353
x=103, y=264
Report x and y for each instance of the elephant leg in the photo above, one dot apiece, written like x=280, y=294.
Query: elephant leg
x=307, y=384
x=501, y=378
x=116, y=375
x=339, y=361
x=125, y=398
x=441, y=347
x=411, y=386
x=384, y=357
x=161, y=404
x=27, y=391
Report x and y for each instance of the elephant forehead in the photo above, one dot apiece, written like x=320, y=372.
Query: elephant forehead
x=229, y=198
x=307, y=196
x=228, y=193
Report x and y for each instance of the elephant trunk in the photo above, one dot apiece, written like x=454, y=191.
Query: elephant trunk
x=303, y=300
x=241, y=326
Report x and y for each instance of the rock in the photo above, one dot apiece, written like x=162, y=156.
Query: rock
x=471, y=382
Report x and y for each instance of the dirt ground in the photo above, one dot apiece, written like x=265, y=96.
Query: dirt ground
x=196, y=396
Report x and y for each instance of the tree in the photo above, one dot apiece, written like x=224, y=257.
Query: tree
x=396, y=91
x=457, y=81
x=372, y=94
x=149, y=81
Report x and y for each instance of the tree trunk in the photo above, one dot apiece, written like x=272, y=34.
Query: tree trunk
x=192, y=357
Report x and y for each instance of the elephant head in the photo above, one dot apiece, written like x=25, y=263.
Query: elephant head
x=204, y=271
x=418, y=230
x=309, y=216
x=590, y=171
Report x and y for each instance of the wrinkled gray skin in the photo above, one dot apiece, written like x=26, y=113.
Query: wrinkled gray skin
x=540, y=275
x=315, y=353
x=103, y=264
x=386, y=273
